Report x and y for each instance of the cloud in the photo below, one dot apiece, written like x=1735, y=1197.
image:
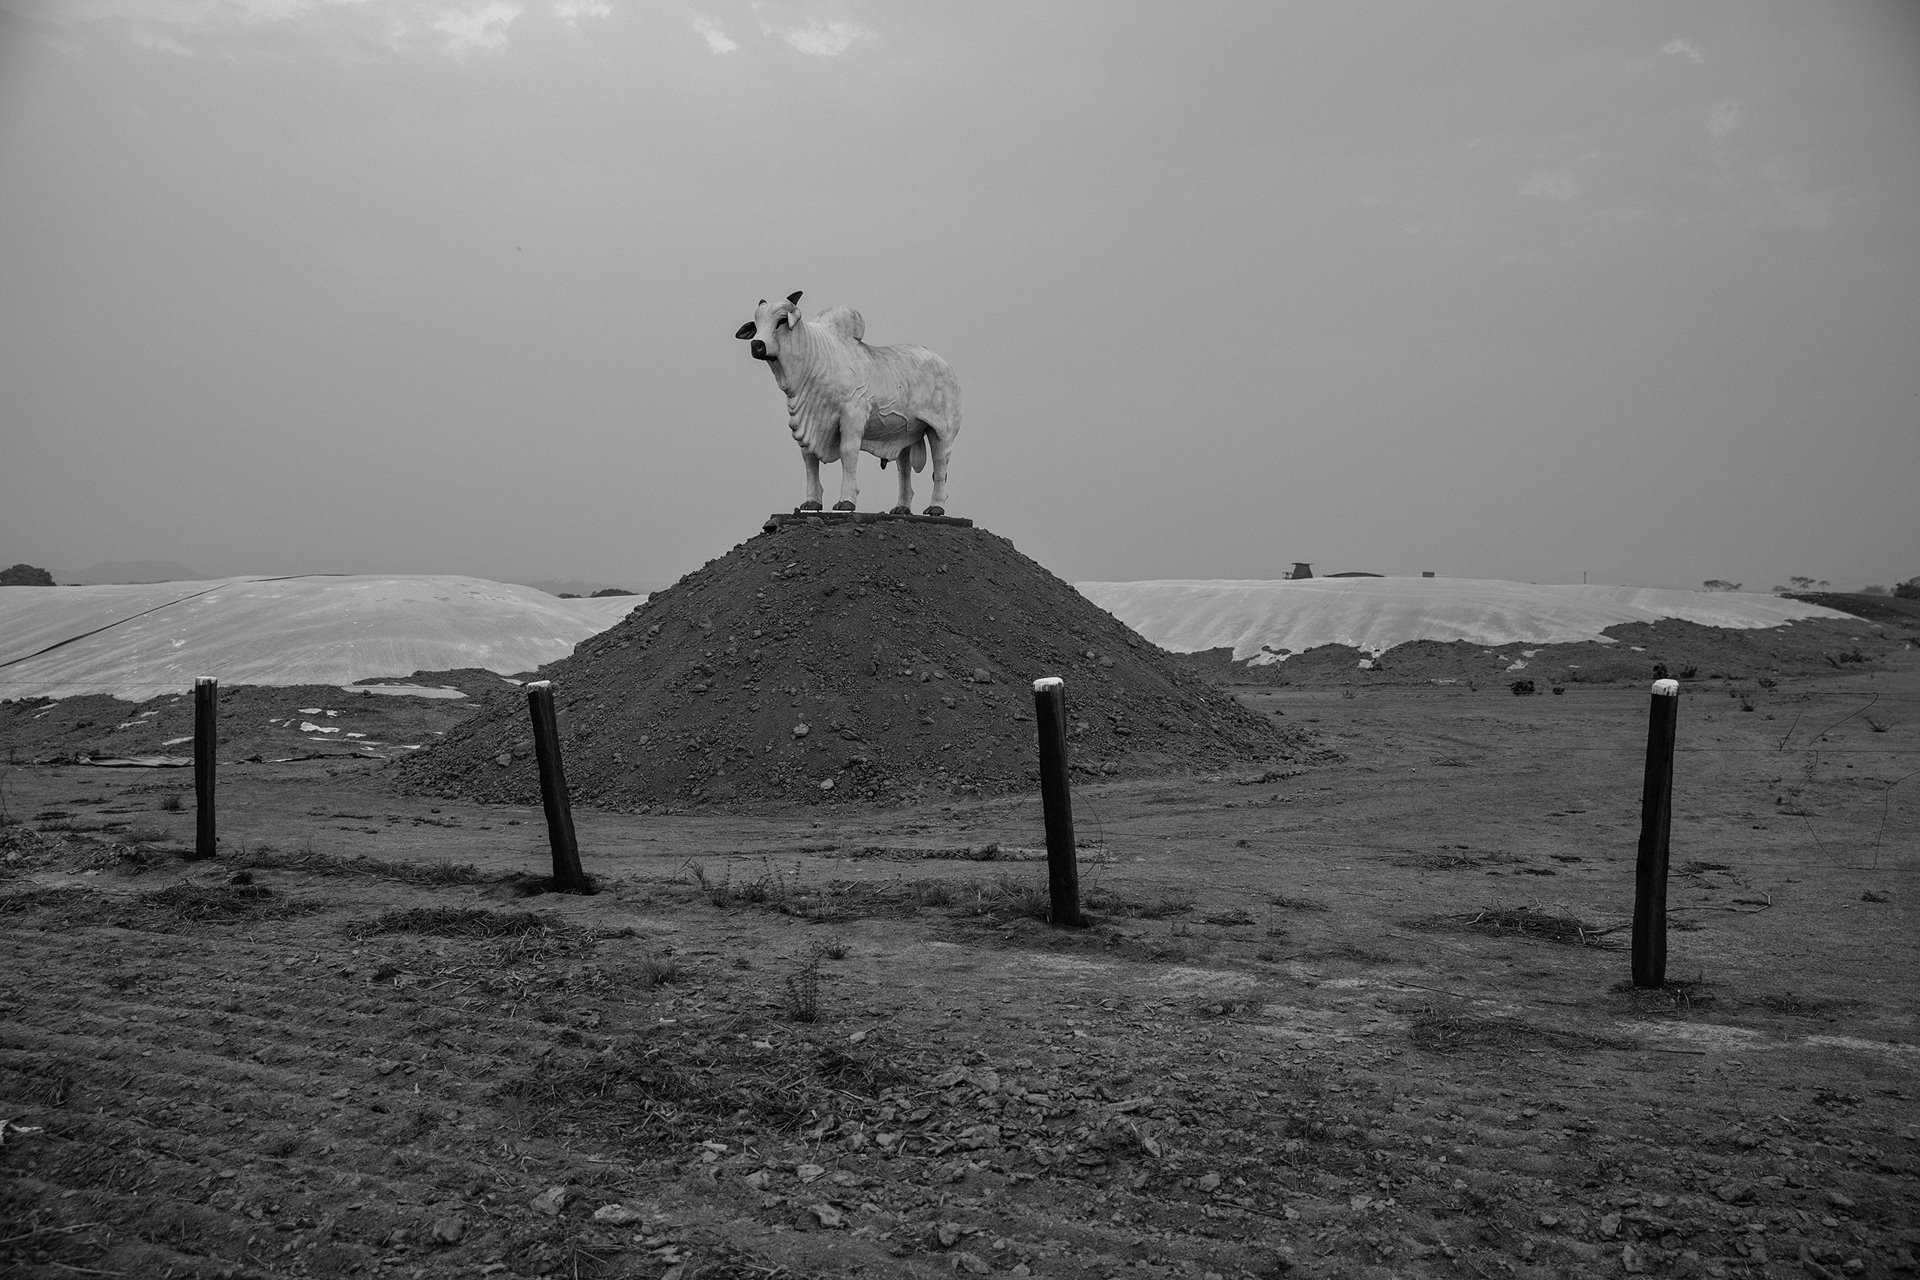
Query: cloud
x=146, y=37
x=454, y=27
x=1551, y=184
x=175, y=13
x=717, y=39
x=574, y=10
x=1680, y=48
x=826, y=39
x=1798, y=205
x=484, y=27
x=1723, y=119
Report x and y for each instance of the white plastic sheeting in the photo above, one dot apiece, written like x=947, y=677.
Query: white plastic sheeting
x=1259, y=620
x=139, y=641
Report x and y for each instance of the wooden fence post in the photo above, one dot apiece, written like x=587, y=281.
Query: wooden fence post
x=206, y=735
x=567, y=875
x=1656, y=823
x=1063, y=869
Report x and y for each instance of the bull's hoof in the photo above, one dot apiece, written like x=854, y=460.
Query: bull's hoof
x=843, y=505
x=936, y=511
x=810, y=504
x=901, y=511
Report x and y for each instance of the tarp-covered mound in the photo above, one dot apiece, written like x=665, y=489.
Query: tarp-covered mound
x=1265, y=621
x=840, y=661
x=140, y=641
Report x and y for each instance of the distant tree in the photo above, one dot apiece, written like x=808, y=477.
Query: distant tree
x=613, y=591
x=1908, y=590
x=1807, y=584
x=25, y=575
x=569, y=595
x=1719, y=584
x=1874, y=591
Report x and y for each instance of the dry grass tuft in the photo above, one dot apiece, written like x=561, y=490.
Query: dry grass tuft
x=802, y=990
x=649, y=1094
x=64, y=898
x=1165, y=903
x=1439, y=1031
x=1678, y=997
x=223, y=903
x=457, y=922
x=1525, y=922
x=305, y=859
x=1799, y=1006
x=857, y=1073
x=37, y=1082
x=770, y=887
x=1008, y=894
x=657, y=970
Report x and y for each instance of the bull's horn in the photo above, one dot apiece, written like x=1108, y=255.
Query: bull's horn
x=794, y=297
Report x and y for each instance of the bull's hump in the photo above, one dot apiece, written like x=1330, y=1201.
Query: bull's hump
x=844, y=321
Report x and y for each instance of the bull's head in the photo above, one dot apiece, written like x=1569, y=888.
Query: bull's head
x=770, y=324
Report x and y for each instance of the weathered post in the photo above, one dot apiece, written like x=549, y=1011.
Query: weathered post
x=1656, y=822
x=1063, y=871
x=206, y=733
x=567, y=875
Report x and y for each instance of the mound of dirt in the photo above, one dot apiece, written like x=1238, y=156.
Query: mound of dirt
x=830, y=662
x=1896, y=610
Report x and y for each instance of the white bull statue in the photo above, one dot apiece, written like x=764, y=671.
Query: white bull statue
x=898, y=403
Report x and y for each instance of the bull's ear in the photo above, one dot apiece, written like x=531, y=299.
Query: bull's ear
x=744, y=331
x=794, y=297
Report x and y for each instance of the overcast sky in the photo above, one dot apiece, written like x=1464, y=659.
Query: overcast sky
x=1496, y=290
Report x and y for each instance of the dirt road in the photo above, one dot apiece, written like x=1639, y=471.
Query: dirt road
x=1359, y=1018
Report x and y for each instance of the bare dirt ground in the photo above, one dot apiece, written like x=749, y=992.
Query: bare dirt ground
x=1365, y=1017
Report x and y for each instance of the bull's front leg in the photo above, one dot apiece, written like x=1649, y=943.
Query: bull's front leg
x=814, y=489
x=852, y=428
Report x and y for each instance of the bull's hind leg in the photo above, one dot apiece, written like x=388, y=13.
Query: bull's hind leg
x=904, y=465
x=940, y=446
x=814, y=489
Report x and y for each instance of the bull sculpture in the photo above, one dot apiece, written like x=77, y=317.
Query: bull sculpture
x=900, y=404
